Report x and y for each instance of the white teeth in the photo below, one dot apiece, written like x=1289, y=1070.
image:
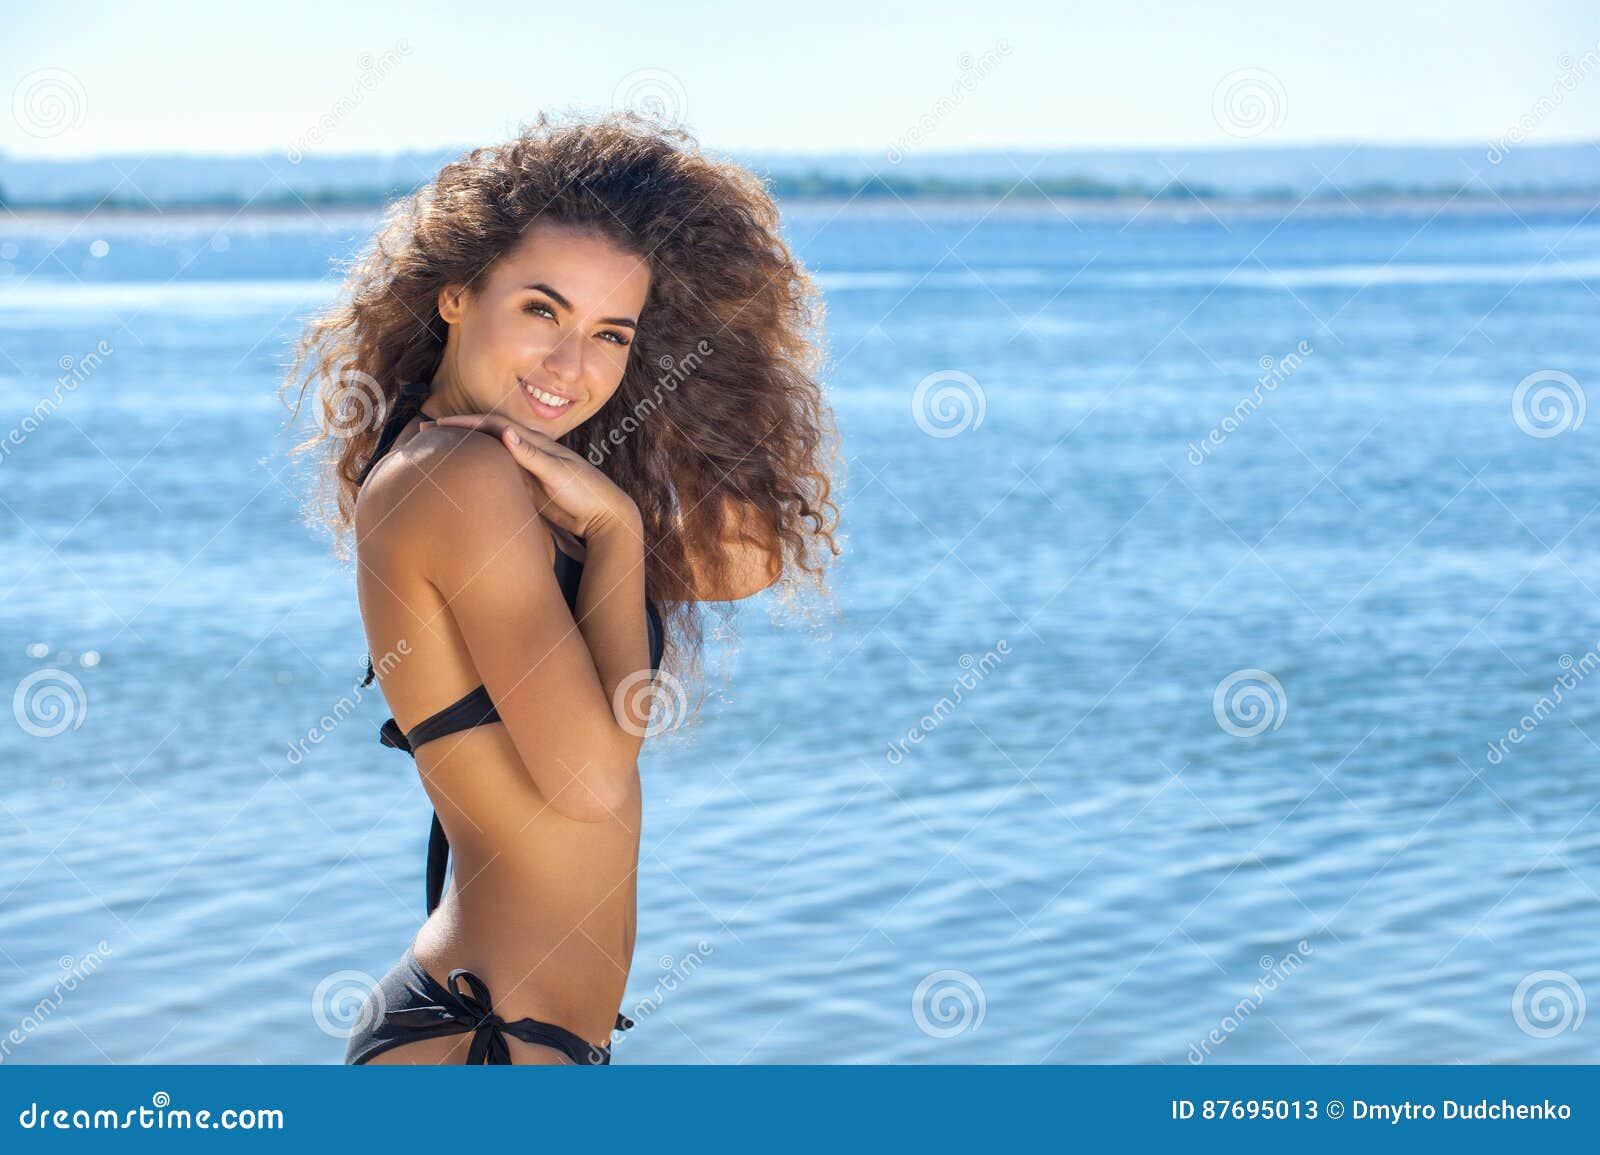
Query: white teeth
x=547, y=398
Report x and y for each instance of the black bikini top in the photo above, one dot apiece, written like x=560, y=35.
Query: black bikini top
x=474, y=708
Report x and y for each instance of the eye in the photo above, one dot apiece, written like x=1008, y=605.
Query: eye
x=540, y=309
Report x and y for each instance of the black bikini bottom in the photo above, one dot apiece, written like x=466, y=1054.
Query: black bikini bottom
x=408, y=1005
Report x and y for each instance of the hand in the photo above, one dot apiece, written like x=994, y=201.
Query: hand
x=569, y=491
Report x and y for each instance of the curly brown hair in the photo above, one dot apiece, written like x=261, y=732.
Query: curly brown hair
x=719, y=419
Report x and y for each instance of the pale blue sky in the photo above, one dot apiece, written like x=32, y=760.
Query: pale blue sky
x=795, y=77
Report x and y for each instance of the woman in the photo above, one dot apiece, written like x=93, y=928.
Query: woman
x=596, y=364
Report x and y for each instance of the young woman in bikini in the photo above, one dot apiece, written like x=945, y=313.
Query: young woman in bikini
x=568, y=394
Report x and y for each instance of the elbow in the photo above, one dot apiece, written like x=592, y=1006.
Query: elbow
x=600, y=794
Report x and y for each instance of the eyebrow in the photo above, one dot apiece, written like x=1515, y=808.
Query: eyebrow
x=540, y=286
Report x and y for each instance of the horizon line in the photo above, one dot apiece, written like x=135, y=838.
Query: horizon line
x=1240, y=146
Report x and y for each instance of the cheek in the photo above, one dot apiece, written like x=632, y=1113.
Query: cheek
x=507, y=337
x=601, y=390
x=609, y=377
x=603, y=368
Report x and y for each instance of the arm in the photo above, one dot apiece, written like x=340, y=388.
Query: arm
x=491, y=560
x=611, y=600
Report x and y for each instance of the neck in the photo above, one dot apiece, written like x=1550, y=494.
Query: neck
x=448, y=399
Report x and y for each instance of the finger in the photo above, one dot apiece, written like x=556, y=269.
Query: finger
x=529, y=454
x=486, y=421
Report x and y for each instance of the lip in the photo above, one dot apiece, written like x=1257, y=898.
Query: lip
x=540, y=409
x=522, y=383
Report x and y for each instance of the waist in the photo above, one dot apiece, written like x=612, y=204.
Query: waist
x=541, y=955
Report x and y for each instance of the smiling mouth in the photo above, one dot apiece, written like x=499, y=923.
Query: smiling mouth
x=551, y=401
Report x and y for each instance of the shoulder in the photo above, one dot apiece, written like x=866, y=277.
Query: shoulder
x=445, y=486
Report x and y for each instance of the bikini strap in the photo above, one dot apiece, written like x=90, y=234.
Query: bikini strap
x=406, y=405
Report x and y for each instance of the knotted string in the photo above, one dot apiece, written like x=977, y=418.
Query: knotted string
x=473, y=1010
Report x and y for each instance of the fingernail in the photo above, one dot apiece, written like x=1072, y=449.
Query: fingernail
x=424, y=424
x=511, y=436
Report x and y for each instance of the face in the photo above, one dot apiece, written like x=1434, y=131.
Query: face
x=543, y=338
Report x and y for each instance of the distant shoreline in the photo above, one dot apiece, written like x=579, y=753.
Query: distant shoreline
x=1166, y=208
x=1076, y=192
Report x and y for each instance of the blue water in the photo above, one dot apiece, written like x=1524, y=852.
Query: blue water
x=1079, y=861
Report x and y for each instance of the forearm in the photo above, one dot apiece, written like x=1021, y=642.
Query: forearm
x=611, y=617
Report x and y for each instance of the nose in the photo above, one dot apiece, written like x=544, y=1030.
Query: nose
x=565, y=359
